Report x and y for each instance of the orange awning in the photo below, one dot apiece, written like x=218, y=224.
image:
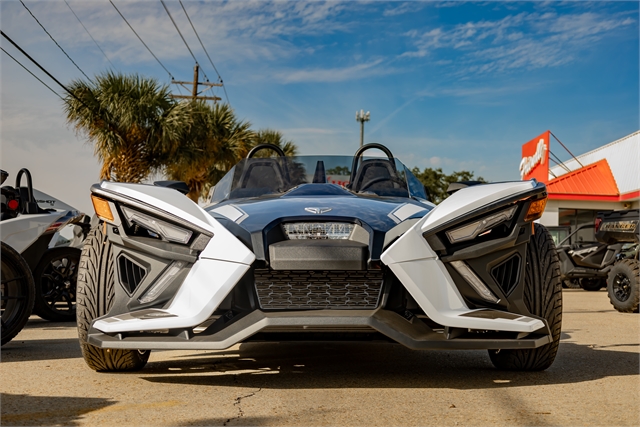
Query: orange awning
x=591, y=182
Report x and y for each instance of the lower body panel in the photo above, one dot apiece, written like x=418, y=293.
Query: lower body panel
x=413, y=333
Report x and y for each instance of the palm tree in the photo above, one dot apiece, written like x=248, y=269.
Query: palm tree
x=212, y=144
x=270, y=136
x=132, y=121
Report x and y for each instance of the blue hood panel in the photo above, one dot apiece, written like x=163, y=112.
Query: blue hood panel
x=252, y=219
x=344, y=206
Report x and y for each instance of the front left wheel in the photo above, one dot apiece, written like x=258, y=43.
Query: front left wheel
x=17, y=290
x=95, y=295
x=543, y=298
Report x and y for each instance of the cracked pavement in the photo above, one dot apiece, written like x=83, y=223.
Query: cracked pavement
x=594, y=381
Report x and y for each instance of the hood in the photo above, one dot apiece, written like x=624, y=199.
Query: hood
x=319, y=202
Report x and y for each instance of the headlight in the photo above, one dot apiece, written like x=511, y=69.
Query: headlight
x=318, y=230
x=164, y=230
x=463, y=269
x=162, y=283
x=473, y=230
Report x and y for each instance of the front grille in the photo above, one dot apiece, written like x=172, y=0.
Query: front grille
x=507, y=273
x=299, y=290
x=131, y=274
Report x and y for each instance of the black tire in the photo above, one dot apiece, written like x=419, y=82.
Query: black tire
x=17, y=290
x=542, y=297
x=623, y=286
x=592, y=285
x=95, y=296
x=56, y=277
x=571, y=284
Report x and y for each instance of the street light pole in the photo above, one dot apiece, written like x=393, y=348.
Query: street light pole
x=362, y=117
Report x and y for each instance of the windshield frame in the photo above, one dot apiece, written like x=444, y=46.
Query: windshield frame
x=274, y=176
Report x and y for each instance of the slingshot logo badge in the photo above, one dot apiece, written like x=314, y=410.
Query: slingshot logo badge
x=317, y=210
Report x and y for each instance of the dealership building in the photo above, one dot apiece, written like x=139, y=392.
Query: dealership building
x=607, y=178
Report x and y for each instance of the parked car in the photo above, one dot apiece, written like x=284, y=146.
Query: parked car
x=35, y=277
x=317, y=248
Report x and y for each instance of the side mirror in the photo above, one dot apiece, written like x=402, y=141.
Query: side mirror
x=176, y=185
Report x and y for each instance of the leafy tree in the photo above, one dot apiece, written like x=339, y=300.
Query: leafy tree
x=213, y=142
x=137, y=128
x=132, y=121
x=270, y=136
x=437, y=181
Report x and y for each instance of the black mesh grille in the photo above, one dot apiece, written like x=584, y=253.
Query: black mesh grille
x=507, y=273
x=296, y=290
x=131, y=274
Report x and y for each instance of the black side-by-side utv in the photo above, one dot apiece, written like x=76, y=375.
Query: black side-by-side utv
x=620, y=229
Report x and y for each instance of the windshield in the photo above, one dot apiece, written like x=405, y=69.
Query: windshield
x=261, y=176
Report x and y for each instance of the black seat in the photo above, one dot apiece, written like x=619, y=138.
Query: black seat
x=261, y=176
x=385, y=179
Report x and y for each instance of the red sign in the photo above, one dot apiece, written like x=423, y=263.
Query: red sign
x=535, y=159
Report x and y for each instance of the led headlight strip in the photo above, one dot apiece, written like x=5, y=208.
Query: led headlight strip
x=473, y=230
x=463, y=269
x=318, y=230
x=166, y=231
x=162, y=283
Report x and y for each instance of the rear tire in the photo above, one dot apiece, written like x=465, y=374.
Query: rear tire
x=623, y=286
x=543, y=298
x=17, y=290
x=95, y=296
x=56, y=277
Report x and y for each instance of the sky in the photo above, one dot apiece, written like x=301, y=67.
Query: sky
x=454, y=85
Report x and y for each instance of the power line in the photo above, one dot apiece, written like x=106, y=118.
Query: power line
x=205, y=51
x=54, y=40
x=29, y=71
x=181, y=36
x=85, y=28
x=140, y=38
x=40, y=66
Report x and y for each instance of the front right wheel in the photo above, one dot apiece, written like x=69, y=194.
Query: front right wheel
x=95, y=295
x=543, y=298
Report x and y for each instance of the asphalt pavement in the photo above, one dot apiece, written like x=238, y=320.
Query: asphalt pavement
x=594, y=381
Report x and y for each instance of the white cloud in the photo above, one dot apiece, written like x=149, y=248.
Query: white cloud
x=404, y=8
x=524, y=40
x=336, y=74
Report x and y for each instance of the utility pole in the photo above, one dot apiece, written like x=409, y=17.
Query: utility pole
x=362, y=117
x=194, y=87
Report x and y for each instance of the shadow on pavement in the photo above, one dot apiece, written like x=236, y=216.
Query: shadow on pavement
x=47, y=410
x=373, y=365
x=45, y=349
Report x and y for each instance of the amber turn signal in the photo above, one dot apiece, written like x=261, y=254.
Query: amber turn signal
x=102, y=208
x=536, y=209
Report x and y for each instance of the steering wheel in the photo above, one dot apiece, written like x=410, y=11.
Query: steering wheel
x=380, y=179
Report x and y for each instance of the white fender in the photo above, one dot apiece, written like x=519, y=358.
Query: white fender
x=22, y=231
x=227, y=246
x=424, y=276
x=221, y=264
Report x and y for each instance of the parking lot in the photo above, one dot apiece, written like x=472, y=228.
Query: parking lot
x=594, y=381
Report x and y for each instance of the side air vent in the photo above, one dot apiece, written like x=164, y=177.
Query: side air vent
x=507, y=273
x=131, y=273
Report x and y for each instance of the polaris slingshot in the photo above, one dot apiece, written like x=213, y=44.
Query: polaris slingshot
x=319, y=248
